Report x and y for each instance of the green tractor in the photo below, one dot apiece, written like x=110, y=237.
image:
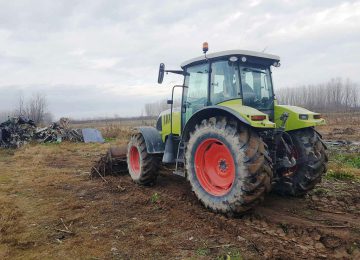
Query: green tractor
x=230, y=137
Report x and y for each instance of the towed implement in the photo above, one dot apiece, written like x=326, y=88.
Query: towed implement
x=230, y=138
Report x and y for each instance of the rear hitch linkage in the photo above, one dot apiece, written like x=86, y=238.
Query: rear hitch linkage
x=279, y=141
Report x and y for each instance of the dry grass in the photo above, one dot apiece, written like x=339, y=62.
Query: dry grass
x=117, y=131
x=28, y=221
x=341, y=119
x=122, y=123
x=45, y=189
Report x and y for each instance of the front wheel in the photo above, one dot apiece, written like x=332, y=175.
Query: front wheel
x=311, y=158
x=227, y=166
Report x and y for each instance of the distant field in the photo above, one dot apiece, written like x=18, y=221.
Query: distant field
x=341, y=126
x=124, y=123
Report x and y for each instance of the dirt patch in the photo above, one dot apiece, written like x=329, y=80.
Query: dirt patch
x=52, y=209
x=341, y=126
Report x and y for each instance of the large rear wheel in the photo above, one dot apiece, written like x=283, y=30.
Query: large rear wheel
x=143, y=167
x=227, y=166
x=311, y=158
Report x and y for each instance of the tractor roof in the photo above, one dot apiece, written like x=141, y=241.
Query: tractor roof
x=229, y=53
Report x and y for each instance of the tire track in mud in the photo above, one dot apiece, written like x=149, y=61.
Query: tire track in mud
x=279, y=228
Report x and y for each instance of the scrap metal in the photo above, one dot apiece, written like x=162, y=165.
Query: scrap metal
x=111, y=163
x=18, y=131
x=56, y=133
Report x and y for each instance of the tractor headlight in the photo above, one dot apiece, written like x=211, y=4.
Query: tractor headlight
x=303, y=117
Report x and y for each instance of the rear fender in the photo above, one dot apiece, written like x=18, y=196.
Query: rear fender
x=208, y=112
x=153, y=141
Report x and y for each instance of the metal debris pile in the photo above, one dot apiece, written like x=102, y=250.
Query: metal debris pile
x=56, y=133
x=18, y=131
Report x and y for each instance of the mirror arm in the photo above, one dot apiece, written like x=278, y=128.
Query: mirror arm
x=181, y=72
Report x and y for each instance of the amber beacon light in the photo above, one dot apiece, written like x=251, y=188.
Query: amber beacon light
x=205, y=47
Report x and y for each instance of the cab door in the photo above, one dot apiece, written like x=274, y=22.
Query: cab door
x=195, y=94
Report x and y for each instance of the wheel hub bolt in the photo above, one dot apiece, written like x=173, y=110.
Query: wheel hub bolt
x=222, y=165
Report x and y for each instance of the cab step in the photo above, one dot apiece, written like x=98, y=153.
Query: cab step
x=179, y=172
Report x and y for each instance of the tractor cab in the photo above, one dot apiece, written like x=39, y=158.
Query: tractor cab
x=238, y=75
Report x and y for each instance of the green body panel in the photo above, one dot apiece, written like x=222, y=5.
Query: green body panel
x=165, y=122
x=293, y=121
x=246, y=112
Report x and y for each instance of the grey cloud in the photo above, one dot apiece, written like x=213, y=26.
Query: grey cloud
x=93, y=48
x=13, y=62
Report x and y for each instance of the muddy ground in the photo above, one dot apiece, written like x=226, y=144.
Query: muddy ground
x=51, y=209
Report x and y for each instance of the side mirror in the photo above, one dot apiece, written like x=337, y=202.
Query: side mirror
x=161, y=73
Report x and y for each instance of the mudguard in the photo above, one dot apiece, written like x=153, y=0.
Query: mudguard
x=154, y=143
x=208, y=112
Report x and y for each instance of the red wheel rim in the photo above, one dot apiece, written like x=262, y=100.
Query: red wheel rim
x=135, y=160
x=214, y=167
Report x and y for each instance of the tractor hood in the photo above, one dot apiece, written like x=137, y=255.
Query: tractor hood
x=251, y=115
x=298, y=117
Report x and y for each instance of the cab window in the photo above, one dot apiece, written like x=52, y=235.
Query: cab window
x=225, y=83
x=256, y=87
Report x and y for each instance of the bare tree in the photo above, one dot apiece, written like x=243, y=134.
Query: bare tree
x=21, y=109
x=35, y=108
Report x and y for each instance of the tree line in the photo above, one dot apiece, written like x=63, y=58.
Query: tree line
x=337, y=95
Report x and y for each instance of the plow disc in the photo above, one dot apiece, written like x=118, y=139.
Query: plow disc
x=111, y=163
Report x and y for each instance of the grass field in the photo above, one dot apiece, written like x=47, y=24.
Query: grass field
x=51, y=209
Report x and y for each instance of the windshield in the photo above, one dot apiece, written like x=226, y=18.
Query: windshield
x=256, y=87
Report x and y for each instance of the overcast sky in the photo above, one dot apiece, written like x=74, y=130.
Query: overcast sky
x=100, y=58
